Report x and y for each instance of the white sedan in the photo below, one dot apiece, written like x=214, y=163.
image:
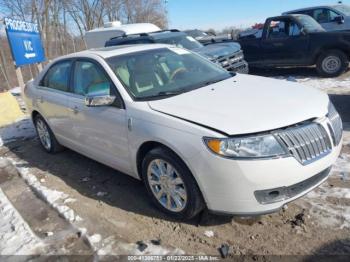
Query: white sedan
x=198, y=136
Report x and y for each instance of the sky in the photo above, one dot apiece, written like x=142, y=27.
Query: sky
x=218, y=14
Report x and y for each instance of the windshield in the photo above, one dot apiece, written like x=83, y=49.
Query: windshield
x=159, y=73
x=182, y=41
x=309, y=24
x=345, y=9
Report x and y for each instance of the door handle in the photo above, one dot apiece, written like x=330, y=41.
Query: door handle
x=75, y=110
x=278, y=44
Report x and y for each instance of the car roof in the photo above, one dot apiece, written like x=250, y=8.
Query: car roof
x=128, y=28
x=106, y=52
x=146, y=35
x=286, y=16
x=312, y=7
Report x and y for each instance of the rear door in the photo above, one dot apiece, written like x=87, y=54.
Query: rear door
x=283, y=43
x=52, y=98
x=99, y=132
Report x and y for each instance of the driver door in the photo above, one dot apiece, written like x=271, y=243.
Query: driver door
x=100, y=132
x=284, y=43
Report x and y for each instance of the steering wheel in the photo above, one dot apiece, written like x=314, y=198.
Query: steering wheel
x=176, y=72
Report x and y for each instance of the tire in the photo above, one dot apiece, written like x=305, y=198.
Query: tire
x=48, y=141
x=194, y=202
x=332, y=63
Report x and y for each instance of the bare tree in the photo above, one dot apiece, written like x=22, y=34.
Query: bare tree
x=87, y=14
x=113, y=9
x=151, y=11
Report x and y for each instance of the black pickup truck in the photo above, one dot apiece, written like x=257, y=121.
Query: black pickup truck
x=297, y=40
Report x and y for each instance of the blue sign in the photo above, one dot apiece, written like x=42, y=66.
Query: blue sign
x=25, y=42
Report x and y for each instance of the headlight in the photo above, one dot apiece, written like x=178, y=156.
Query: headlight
x=262, y=146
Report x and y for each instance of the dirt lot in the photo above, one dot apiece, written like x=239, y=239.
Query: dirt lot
x=115, y=209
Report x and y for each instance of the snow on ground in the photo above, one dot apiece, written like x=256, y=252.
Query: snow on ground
x=342, y=167
x=16, y=91
x=326, y=212
x=22, y=129
x=16, y=237
x=52, y=197
x=330, y=85
x=57, y=199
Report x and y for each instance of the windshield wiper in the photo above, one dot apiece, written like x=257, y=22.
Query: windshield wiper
x=166, y=93
x=169, y=93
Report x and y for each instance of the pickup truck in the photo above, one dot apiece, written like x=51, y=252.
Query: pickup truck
x=297, y=40
x=226, y=54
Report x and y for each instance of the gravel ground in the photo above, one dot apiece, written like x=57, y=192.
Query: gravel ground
x=115, y=209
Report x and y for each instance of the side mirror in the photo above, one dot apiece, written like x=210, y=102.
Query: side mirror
x=93, y=101
x=339, y=19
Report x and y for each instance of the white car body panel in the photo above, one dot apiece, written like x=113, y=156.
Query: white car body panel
x=55, y=105
x=100, y=132
x=237, y=106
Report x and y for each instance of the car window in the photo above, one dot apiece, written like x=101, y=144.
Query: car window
x=57, y=77
x=324, y=15
x=149, y=74
x=294, y=29
x=309, y=24
x=282, y=28
x=89, y=79
x=332, y=15
x=306, y=12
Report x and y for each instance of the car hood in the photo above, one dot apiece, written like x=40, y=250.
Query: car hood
x=246, y=104
x=213, y=37
x=218, y=50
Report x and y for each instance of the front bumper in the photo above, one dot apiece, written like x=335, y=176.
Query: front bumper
x=241, y=67
x=238, y=186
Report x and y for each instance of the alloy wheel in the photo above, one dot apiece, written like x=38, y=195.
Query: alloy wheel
x=44, y=134
x=167, y=185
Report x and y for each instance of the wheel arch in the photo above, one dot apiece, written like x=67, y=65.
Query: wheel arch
x=34, y=114
x=147, y=146
x=325, y=49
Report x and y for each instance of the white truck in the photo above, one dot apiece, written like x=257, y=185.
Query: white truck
x=97, y=37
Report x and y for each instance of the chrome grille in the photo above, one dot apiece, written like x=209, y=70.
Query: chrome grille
x=228, y=62
x=336, y=128
x=306, y=143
